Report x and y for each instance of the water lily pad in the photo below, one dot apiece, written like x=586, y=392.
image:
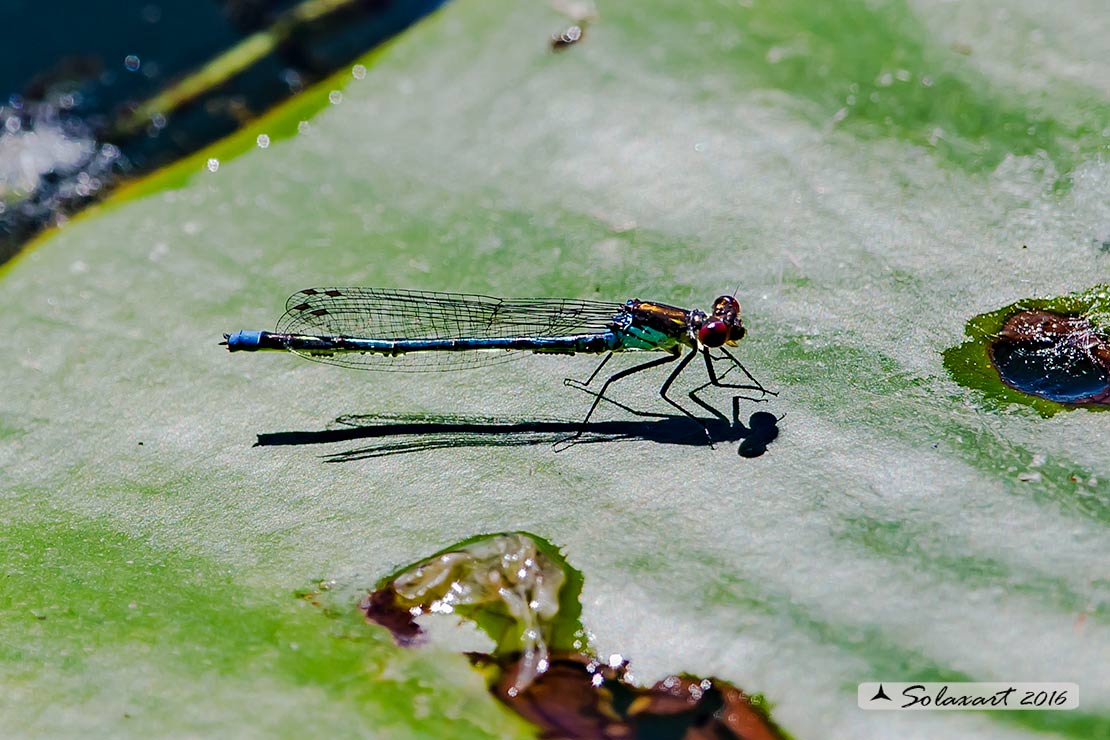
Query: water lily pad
x=869, y=175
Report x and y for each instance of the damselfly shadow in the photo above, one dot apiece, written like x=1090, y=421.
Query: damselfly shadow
x=397, y=434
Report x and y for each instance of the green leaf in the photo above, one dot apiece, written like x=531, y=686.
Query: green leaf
x=872, y=175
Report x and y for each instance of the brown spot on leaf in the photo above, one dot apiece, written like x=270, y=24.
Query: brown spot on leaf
x=381, y=606
x=579, y=697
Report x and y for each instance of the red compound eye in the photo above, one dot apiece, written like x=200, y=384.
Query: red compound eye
x=713, y=333
x=726, y=304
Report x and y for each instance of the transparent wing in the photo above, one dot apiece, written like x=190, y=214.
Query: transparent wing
x=377, y=313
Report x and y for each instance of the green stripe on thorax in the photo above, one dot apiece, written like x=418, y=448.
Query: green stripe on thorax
x=646, y=338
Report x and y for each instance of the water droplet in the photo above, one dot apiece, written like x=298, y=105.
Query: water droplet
x=568, y=37
x=263, y=141
x=293, y=80
x=358, y=72
x=303, y=127
x=335, y=97
x=213, y=164
x=132, y=63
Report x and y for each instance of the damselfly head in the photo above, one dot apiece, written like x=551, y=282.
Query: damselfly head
x=726, y=305
x=726, y=310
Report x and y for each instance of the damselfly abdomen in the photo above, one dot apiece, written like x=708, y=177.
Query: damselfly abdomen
x=414, y=331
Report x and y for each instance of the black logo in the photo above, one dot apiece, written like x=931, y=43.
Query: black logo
x=881, y=694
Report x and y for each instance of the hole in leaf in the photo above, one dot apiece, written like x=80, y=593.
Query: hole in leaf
x=1055, y=356
x=1052, y=354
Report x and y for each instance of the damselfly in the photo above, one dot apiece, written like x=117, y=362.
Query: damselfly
x=413, y=331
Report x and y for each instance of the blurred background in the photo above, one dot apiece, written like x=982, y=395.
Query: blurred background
x=92, y=93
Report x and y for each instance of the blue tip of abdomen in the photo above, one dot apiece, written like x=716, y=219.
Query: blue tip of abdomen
x=244, y=341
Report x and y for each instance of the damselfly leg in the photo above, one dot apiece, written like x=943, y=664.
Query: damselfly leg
x=583, y=385
x=599, y=395
x=735, y=363
x=716, y=381
x=667, y=384
x=566, y=442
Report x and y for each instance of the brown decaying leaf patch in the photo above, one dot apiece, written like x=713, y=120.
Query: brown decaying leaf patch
x=579, y=697
x=567, y=694
x=381, y=607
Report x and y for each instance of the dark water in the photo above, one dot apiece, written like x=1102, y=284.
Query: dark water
x=1055, y=356
x=73, y=71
